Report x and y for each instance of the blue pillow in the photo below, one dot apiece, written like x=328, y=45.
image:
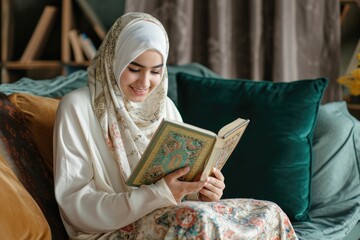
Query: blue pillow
x=273, y=159
x=335, y=192
x=336, y=176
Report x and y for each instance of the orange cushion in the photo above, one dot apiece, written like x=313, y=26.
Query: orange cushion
x=40, y=114
x=21, y=217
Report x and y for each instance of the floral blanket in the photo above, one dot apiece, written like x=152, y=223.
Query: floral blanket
x=227, y=219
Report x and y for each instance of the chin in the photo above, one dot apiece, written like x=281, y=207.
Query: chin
x=137, y=99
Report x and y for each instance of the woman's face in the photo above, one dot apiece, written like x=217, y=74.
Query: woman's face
x=141, y=76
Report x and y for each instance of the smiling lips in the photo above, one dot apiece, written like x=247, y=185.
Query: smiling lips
x=140, y=91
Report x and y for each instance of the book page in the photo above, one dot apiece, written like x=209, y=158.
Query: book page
x=231, y=139
x=232, y=127
x=212, y=160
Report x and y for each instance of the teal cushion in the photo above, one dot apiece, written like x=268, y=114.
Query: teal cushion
x=335, y=192
x=53, y=88
x=273, y=159
x=195, y=69
x=336, y=148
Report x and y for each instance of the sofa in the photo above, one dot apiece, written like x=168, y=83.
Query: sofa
x=297, y=152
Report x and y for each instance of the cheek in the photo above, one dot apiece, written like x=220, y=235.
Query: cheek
x=156, y=81
x=126, y=79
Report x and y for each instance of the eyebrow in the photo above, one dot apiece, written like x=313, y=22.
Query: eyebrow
x=139, y=65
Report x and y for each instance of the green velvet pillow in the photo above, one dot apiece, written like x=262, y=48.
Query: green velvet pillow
x=273, y=159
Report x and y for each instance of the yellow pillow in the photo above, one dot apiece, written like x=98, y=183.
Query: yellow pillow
x=21, y=217
x=40, y=115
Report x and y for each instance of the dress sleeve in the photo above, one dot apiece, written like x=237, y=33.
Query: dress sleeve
x=87, y=201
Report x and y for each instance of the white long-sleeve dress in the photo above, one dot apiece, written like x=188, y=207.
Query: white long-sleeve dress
x=89, y=188
x=95, y=204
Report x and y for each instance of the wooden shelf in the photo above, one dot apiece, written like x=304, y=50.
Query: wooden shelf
x=56, y=56
x=78, y=64
x=12, y=66
x=354, y=108
x=39, y=31
x=17, y=65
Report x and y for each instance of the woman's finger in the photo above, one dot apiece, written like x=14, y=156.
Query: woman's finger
x=216, y=183
x=213, y=188
x=209, y=195
x=218, y=174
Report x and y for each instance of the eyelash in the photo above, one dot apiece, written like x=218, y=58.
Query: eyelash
x=133, y=70
x=136, y=70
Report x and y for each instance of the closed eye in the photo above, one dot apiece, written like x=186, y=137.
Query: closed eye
x=133, y=70
x=156, y=70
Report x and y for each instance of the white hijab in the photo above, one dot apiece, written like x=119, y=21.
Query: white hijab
x=127, y=126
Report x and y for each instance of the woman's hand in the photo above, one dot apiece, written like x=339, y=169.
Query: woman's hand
x=180, y=189
x=213, y=188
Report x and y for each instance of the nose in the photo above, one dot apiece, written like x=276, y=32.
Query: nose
x=144, y=78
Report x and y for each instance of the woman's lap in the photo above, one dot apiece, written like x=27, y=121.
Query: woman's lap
x=227, y=219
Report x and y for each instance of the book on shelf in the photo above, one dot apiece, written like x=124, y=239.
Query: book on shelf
x=67, y=23
x=40, y=35
x=87, y=46
x=74, y=39
x=176, y=145
x=94, y=20
x=7, y=36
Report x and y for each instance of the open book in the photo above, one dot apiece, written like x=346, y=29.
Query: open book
x=176, y=145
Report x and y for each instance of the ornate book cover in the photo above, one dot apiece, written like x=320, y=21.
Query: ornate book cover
x=176, y=145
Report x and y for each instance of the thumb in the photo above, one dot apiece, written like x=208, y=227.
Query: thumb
x=180, y=172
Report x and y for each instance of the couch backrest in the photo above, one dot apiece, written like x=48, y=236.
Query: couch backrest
x=26, y=162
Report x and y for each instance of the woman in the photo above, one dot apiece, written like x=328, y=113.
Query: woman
x=101, y=132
